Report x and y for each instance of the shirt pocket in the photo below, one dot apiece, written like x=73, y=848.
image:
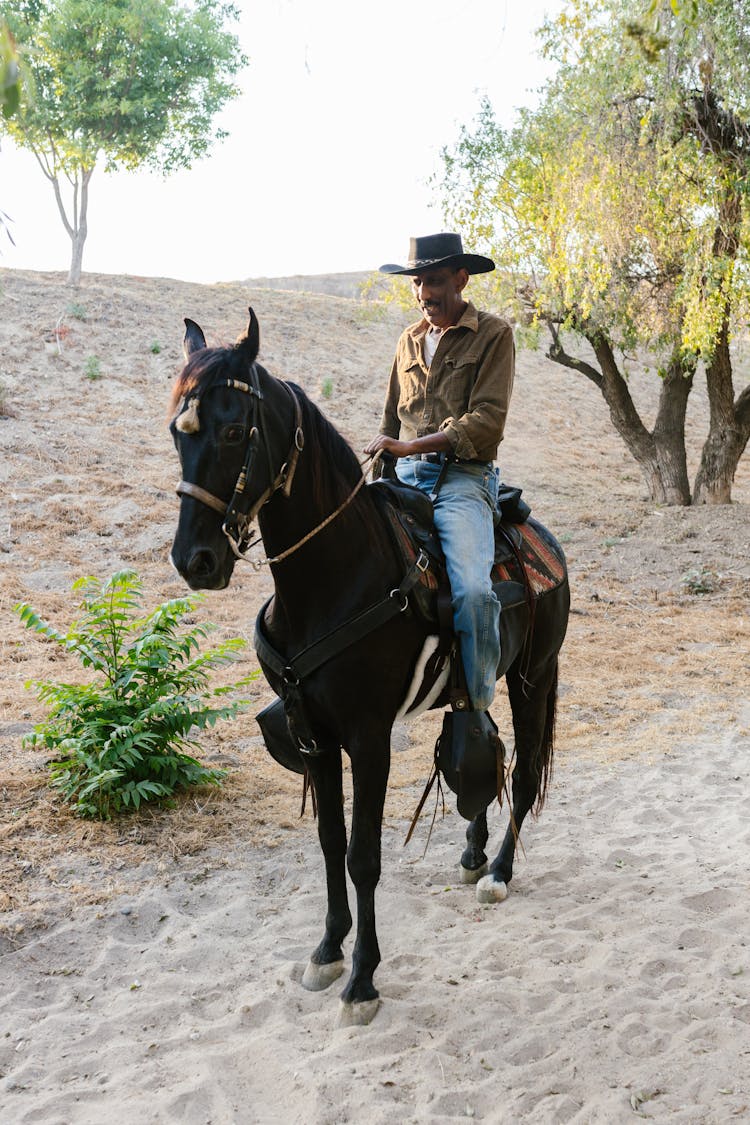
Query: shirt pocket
x=460, y=373
x=412, y=380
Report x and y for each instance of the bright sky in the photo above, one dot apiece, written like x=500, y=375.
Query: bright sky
x=344, y=111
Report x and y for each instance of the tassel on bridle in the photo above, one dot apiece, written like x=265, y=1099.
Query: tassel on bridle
x=188, y=422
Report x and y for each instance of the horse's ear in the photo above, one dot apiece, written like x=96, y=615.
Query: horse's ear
x=194, y=339
x=249, y=344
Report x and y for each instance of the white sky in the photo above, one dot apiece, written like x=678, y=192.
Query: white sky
x=344, y=111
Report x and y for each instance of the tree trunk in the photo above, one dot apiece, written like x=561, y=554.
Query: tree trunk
x=76, y=257
x=76, y=224
x=727, y=436
x=669, y=431
x=79, y=230
x=729, y=429
x=660, y=454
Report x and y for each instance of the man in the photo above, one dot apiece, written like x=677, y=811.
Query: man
x=447, y=401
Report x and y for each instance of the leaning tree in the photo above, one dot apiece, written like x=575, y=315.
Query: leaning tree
x=118, y=83
x=618, y=211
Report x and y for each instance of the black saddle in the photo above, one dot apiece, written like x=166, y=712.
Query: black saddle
x=408, y=513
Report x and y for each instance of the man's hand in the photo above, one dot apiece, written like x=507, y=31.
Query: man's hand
x=389, y=445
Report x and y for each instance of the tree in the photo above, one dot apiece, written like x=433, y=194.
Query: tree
x=123, y=82
x=619, y=212
x=11, y=83
x=10, y=73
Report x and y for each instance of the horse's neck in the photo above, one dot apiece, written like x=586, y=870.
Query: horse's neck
x=335, y=572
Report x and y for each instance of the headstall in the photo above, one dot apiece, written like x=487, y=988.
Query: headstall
x=238, y=522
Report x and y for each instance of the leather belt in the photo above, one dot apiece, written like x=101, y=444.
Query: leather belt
x=441, y=458
x=433, y=458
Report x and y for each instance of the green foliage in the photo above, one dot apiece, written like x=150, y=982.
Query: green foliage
x=118, y=741
x=155, y=347
x=618, y=212
x=602, y=206
x=138, y=80
x=77, y=311
x=93, y=370
x=700, y=580
x=396, y=291
x=326, y=386
x=371, y=311
x=10, y=73
x=129, y=82
x=10, y=90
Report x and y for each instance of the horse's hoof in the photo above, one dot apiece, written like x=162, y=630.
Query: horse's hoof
x=357, y=1015
x=469, y=876
x=490, y=889
x=317, y=977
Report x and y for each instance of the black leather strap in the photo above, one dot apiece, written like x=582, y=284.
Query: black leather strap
x=296, y=669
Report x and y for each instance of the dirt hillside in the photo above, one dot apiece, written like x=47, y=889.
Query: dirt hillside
x=658, y=646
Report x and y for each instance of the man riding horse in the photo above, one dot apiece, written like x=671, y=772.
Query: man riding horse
x=444, y=417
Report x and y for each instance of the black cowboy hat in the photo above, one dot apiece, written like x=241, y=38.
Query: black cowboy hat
x=434, y=250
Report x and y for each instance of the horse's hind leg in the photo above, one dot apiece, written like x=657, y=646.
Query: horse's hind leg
x=533, y=705
x=474, y=859
x=370, y=766
x=327, y=962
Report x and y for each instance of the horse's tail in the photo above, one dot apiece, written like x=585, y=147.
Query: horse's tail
x=546, y=749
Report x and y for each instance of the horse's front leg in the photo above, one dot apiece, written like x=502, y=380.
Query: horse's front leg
x=370, y=767
x=327, y=962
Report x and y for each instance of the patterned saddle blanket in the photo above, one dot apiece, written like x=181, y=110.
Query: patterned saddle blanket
x=526, y=553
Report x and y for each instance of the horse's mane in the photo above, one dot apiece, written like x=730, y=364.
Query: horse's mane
x=334, y=467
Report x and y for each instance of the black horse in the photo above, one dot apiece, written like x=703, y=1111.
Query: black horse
x=251, y=445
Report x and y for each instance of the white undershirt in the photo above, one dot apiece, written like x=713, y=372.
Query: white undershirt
x=431, y=340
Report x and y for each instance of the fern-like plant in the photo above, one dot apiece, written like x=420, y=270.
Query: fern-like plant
x=119, y=740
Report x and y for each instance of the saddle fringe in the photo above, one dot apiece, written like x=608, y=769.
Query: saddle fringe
x=308, y=787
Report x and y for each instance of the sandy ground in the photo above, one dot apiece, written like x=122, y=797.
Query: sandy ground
x=151, y=967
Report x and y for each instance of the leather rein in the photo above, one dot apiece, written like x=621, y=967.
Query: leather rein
x=237, y=523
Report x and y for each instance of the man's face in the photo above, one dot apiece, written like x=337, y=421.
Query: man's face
x=438, y=293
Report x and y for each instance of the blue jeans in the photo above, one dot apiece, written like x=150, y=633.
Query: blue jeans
x=464, y=520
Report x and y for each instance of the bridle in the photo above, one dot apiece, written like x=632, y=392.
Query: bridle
x=237, y=521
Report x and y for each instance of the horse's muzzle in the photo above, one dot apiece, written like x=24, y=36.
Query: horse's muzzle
x=202, y=570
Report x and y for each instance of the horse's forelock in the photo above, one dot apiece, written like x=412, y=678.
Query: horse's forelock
x=197, y=372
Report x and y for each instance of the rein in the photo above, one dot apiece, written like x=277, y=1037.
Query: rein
x=237, y=524
x=258, y=563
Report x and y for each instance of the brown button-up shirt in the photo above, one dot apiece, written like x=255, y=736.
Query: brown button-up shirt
x=465, y=391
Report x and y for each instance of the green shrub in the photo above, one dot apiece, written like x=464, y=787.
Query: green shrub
x=700, y=580
x=118, y=741
x=93, y=368
x=155, y=347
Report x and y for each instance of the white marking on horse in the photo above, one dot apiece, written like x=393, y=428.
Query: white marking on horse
x=490, y=889
x=317, y=977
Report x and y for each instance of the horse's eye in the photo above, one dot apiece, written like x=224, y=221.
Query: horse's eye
x=232, y=435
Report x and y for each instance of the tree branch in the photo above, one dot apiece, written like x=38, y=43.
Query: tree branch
x=557, y=354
